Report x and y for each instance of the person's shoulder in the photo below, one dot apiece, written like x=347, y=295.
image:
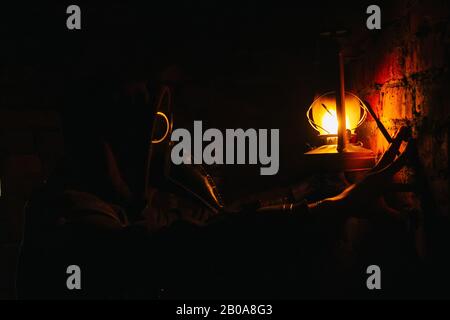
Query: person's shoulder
x=71, y=206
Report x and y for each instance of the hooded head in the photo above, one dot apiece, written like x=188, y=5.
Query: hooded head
x=107, y=130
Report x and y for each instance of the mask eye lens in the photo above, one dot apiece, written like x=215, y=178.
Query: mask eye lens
x=161, y=129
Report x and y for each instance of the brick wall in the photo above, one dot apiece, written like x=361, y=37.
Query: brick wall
x=402, y=71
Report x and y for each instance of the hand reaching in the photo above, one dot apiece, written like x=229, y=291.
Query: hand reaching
x=365, y=197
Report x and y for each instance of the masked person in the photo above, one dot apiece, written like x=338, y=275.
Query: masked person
x=139, y=228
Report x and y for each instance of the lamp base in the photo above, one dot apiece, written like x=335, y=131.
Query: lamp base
x=353, y=158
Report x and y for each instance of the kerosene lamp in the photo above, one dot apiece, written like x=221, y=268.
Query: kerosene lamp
x=336, y=115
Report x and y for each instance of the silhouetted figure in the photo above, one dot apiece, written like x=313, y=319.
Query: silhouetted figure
x=134, y=237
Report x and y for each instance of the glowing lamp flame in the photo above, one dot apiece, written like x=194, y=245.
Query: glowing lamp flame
x=329, y=123
x=322, y=113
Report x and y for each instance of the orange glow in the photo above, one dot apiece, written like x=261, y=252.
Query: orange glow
x=322, y=113
x=330, y=123
x=167, y=125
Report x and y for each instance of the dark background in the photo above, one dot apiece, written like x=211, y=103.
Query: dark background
x=248, y=64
